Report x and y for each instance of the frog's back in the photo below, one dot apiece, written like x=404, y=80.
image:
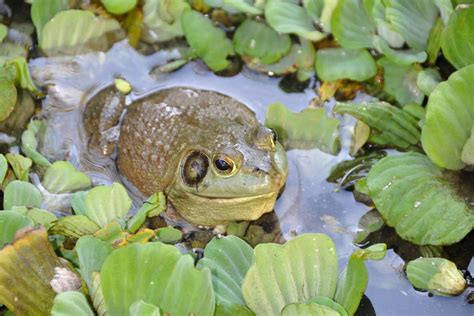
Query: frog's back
x=157, y=130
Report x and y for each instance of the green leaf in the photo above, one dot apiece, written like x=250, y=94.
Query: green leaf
x=20, y=165
x=351, y=25
x=276, y=279
x=44, y=10
x=449, y=119
x=326, y=301
x=158, y=274
x=23, y=77
x=10, y=223
x=29, y=143
x=229, y=258
x=467, y=155
x=153, y=206
x=74, y=226
x=71, y=303
x=169, y=235
x=62, y=178
x=74, y=32
x=92, y=253
x=400, y=81
x=208, y=42
x=39, y=216
x=413, y=194
x=235, y=6
x=104, y=204
x=8, y=97
x=309, y=128
x=140, y=308
x=341, y=63
x=413, y=19
x=3, y=32
x=162, y=19
x=392, y=125
x=446, y=9
x=3, y=167
x=119, y=6
x=287, y=16
x=428, y=79
x=258, y=40
x=21, y=193
x=402, y=57
x=308, y=309
x=434, y=41
x=436, y=275
x=385, y=30
x=456, y=40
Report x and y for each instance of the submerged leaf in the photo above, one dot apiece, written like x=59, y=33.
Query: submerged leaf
x=73, y=32
x=456, y=39
x=436, y=275
x=62, y=177
x=309, y=128
x=276, y=279
x=341, y=63
x=158, y=274
x=229, y=258
x=71, y=303
x=449, y=119
x=413, y=194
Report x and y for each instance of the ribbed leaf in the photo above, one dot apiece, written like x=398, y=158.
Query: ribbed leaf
x=415, y=198
x=308, y=309
x=162, y=19
x=140, y=308
x=44, y=10
x=158, y=274
x=21, y=193
x=74, y=226
x=229, y=259
x=71, y=303
x=393, y=125
x=449, y=119
x=62, y=177
x=276, y=279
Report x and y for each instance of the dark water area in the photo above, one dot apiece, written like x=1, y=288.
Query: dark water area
x=308, y=204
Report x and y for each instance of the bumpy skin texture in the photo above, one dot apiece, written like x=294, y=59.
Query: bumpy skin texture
x=160, y=133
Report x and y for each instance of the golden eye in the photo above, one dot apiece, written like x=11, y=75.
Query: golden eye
x=195, y=168
x=224, y=164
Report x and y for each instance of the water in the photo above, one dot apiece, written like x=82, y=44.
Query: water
x=308, y=204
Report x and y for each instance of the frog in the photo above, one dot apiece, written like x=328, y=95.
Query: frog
x=206, y=151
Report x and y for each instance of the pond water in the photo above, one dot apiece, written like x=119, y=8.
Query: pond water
x=308, y=204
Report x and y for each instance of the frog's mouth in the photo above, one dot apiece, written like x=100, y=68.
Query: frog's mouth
x=233, y=199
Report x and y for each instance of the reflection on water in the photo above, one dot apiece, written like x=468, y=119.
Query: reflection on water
x=308, y=204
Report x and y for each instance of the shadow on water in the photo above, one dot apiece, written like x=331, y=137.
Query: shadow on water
x=308, y=204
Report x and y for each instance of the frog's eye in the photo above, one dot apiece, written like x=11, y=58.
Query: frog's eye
x=224, y=164
x=195, y=168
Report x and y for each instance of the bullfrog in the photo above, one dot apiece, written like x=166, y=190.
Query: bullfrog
x=206, y=151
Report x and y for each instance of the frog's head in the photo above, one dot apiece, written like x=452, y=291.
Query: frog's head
x=237, y=176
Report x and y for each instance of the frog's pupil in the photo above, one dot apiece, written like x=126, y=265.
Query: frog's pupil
x=221, y=164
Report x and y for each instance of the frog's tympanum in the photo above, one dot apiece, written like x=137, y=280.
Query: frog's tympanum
x=206, y=151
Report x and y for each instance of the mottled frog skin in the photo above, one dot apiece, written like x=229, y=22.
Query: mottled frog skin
x=206, y=151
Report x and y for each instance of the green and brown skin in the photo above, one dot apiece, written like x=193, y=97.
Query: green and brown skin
x=208, y=152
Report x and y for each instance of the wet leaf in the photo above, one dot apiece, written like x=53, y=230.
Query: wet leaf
x=140, y=308
x=10, y=223
x=21, y=193
x=436, y=275
x=29, y=143
x=104, y=204
x=369, y=222
x=74, y=226
x=208, y=42
x=287, y=16
x=412, y=19
x=413, y=194
x=351, y=25
x=153, y=206
x=456, y=41
x=162, y=19
x=393, y=126
x=449, y=119
x=400, y=81
x=229, y=258
x=352, y=282
x=341, y=63
x=158, y=274
x=71, y=303
x=119, y=6
x=257, y=40
x=73, y=32
x=92, y=253
x=26, y=269
x=308, y=309
x=169, y=235
x=309, y=128
x=61, y=177
x=276, y=279
x=44, y=10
